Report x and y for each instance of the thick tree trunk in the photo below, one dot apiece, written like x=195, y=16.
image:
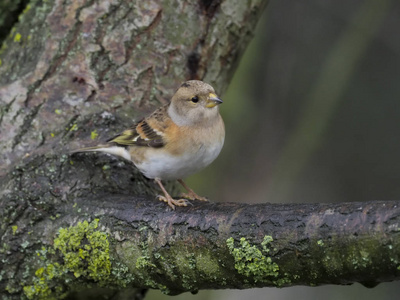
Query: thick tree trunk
x=78, y=71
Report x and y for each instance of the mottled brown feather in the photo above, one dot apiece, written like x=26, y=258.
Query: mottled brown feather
x=147, y=132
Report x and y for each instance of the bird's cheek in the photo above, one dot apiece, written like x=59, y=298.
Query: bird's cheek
x=200, y=115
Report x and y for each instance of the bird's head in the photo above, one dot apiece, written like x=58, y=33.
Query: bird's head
x=194, y=103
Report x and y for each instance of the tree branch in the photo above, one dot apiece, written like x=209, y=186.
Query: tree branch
x=91, y=235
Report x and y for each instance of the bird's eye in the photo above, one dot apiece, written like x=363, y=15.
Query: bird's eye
x=195, y=99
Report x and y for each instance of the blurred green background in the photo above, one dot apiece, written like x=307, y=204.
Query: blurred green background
x=312, y=115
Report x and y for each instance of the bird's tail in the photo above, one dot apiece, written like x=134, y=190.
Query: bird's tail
x=88, y=149
x=108, y=148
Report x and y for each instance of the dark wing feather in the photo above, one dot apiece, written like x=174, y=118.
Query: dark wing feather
x=141, y=134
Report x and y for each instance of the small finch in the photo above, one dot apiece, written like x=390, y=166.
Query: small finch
x=175, y=141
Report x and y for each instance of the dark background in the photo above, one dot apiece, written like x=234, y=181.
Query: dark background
x=313, y=115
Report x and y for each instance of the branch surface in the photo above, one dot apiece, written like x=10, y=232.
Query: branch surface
x=90, y=234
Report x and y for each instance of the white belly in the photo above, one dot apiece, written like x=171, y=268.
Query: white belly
x=168, y=167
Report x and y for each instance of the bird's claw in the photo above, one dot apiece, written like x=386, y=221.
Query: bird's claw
x=172, y=202
x=193, y=196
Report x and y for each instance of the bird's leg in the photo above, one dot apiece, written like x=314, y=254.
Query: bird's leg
x=167, y=197
x=190, y=193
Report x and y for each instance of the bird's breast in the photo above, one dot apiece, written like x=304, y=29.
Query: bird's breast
x=183, y=158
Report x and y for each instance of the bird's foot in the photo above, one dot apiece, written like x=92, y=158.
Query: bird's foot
x=172, y=202
x=191, y=195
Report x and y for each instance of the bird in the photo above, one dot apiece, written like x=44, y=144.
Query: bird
x=175, y=141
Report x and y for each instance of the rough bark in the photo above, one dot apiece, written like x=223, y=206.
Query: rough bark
x=78, y=71
x=64, y=63
x=139, y=242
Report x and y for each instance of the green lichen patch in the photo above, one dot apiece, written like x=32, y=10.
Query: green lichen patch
x=94, y=134
x=253, y=262
x=17, y=37
x=74, y=127
x=144, y=262
x=206, y=264
x=40, y=288
x=79, y=254
x=85, y=250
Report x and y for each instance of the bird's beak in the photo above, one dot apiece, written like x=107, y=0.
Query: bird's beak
x=212, y=100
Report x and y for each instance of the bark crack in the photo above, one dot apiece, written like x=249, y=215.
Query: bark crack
x=26, y=125
x=132, y=43
x=58, y=59
x=199, y=53
x=5, y=109
x=56, y=62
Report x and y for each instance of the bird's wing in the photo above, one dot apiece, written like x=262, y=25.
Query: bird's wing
x=147, y=132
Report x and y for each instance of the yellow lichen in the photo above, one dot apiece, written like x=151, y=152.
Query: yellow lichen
x=94, y=134
x=74, y=127
x=17, y=37
x=85, y=252
x=251, y=261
